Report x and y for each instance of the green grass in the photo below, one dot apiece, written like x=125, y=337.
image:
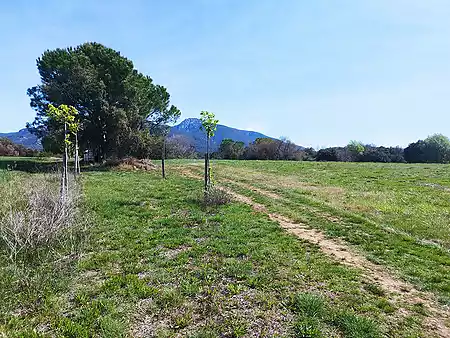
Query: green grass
x=157, y=262
x=397, y=214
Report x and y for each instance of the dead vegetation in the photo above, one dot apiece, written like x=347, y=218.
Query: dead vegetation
x=131, y=163
x=215, y=196
x=35, y=216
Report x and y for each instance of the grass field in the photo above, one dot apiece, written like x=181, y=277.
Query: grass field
x=398, y=214
x=156, y=263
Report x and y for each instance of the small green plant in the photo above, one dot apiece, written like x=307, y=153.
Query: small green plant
x=375, y=289
x=307, y=328
x=308, y=305
x=234, y=289
x=183, y=319
x=237, y=327
x=354, y=326
x=419, y=308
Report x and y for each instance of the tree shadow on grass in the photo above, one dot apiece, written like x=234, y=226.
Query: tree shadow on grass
x=39, y=165
x=31, y=165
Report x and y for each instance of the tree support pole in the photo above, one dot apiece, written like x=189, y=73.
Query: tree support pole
x=163, y=157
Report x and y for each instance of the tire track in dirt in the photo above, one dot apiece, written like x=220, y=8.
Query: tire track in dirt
x=335, y=248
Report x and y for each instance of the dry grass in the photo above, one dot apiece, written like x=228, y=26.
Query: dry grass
x=131, y=163
x=35, y=216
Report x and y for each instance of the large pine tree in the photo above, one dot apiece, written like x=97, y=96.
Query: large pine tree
x=118, y=106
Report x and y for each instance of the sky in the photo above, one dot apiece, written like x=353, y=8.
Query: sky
x=319, y=72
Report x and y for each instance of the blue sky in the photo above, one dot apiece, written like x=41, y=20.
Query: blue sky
x=320, y=72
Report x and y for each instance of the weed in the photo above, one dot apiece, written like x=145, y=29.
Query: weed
x=234, y=288
x=354, y=326
x=236, y=327
x=308, y=305
x=169, y=298
x=307, y=328
x=375, y=289
x=182, y=319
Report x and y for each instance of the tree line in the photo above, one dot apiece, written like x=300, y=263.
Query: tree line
x=434, y=149
x=122, y=112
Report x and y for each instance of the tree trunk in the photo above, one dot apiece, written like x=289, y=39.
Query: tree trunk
x=207, y=173
x=64, y=182
x=163, y=157
x=77, y=156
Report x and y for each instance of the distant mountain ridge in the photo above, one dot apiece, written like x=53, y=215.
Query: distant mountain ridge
x=190, y=128
x=25, y=138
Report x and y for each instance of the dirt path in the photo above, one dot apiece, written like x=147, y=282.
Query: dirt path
x=401, y=290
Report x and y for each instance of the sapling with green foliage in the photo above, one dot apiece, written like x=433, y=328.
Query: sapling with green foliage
x=65, y=115
x=209, y=126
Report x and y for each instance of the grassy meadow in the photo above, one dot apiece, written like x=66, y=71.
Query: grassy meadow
x=154, y=262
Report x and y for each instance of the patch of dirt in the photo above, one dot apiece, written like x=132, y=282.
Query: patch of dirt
x=402, y=291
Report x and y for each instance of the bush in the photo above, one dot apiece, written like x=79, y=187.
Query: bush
x=214, y=197
x=33, y=216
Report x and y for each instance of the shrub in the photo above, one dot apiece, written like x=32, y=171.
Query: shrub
x=214, y=197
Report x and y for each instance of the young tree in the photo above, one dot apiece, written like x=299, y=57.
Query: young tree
x=65, y=115
x=209, y=126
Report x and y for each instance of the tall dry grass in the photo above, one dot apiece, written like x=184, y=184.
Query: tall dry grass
x=33, y=216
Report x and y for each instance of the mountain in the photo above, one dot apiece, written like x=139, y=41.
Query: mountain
x=190, y=129
x=23, y=137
